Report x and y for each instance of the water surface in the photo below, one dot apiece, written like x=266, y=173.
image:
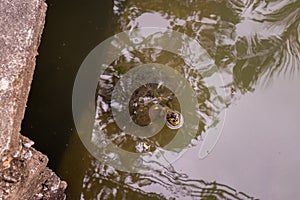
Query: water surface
x=256, y=47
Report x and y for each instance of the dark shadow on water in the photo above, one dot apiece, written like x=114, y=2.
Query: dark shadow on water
x=72, y=29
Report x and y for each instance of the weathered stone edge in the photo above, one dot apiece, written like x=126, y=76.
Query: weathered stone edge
x=23, y=171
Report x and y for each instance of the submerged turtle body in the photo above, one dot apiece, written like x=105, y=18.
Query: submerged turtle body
x=150, y=95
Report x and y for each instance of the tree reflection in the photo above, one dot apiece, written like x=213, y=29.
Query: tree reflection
x=250, y=40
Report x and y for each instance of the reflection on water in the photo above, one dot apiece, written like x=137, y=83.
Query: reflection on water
x=251, y=42
x=173, y=185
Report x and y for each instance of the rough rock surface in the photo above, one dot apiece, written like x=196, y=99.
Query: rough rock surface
x=23, y=171
x=25, y=176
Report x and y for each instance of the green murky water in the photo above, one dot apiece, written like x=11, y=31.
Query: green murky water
x=256, y=47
